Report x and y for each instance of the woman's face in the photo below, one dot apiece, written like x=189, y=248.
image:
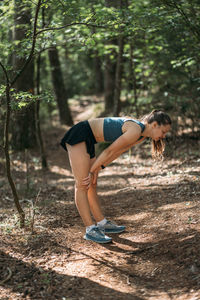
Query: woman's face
x=159, y=131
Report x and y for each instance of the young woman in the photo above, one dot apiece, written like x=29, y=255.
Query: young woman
x=123, y=133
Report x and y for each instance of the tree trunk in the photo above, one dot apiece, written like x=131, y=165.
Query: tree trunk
x=98, y=75
x=6, y=150
x=8, y=170
x=37, y=117
x=109, y=83
x=23, y=130
x=118, y=76
x=59, y=87
x=110, y=68
x=133, y=79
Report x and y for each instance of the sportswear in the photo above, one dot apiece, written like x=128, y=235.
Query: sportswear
x=81, y=132
x=112, y=128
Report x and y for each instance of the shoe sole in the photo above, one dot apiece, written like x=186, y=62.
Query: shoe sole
x=112, y=231
x=99, y=242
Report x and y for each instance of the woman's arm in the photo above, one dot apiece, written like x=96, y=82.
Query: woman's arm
x=94, y=172
x=117, y=155
x=128, y=139
x=122, y=144
x=120, y=152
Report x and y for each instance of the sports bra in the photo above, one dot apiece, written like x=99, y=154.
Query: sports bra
x=112, y=128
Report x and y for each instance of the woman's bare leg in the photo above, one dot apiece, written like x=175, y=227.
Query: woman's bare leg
x=80, y=164
x=93, y=200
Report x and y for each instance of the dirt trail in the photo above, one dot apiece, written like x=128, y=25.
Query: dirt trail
x=156, y=258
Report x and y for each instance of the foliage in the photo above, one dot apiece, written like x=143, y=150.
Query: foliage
x=161, y=52
x=21, y=99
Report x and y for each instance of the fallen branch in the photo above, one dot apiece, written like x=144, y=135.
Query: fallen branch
x=8, y=276
x=33, y=212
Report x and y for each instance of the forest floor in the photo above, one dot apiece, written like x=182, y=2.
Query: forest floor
x=156, y=258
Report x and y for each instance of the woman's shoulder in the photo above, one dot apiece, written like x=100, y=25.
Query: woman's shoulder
x=131, y=119
x=133, y=122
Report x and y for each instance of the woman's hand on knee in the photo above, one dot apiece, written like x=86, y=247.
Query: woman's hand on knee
x=91, y=179
x=87, y=181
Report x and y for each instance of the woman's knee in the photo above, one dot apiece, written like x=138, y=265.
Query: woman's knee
x=80, y=187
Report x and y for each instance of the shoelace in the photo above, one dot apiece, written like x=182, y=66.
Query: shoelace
x=99, y=230
x=111, y=223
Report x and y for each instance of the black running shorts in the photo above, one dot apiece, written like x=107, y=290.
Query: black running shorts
x=81, y=132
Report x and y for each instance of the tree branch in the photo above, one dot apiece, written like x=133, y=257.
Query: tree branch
x=5, y=72
x=71, y=24
x=180, y=10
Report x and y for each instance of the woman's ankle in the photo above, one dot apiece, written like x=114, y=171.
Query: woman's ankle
x=88, y=228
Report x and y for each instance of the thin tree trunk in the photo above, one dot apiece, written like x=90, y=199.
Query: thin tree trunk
x=99, y=84
x=133, y=79
x=110, y=68
x=59, y=87
x=98, y=74
x=7, y=156
x=109, y=83
x=37, y=117
x=6, y=147
x=118, y=76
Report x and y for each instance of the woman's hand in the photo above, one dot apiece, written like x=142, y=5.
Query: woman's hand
x=88, y=180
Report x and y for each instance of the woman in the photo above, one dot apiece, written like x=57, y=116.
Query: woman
x=123, y=133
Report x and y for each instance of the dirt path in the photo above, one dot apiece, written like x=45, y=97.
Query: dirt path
x=156, y=258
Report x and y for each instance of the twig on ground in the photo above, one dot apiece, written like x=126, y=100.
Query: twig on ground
x=127, y=280
x=33, y=211
x=8, y=276
x=75, y=259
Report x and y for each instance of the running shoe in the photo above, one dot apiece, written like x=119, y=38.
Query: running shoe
x=97, y=235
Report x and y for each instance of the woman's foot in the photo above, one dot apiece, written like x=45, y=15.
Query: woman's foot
x=97, y=235
x=111, y=227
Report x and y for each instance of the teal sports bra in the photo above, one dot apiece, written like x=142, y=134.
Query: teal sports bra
x=112, y=128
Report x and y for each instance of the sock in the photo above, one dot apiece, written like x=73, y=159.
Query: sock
x=102, y=222
x=88, y=228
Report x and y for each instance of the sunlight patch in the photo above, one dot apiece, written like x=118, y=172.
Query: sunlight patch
x=56, y=169
x=136, y=217
x=175, y=206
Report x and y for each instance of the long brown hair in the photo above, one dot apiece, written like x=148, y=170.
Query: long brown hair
x=161, y=118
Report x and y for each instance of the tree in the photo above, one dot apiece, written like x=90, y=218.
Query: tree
x=109, y=83
x=59, y=87
x=110, y=67
x=9, y=85
x=118, y=76
x=24, y=129
x=98, y=74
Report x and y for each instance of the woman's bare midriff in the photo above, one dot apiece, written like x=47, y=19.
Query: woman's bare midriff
x=97, y=128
